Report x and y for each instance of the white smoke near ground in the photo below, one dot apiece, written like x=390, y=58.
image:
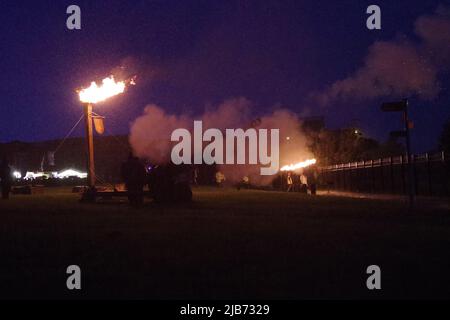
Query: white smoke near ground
x=400, y=67
x=293, y=146
x=150, y=135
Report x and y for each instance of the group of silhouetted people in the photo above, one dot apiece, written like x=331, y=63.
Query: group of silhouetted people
x=302, y=183
x=6, y=178
x=167, y=183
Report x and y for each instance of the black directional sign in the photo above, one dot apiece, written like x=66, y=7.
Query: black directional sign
x=396, y=106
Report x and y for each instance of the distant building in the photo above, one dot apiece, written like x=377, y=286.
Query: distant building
x=110, y=152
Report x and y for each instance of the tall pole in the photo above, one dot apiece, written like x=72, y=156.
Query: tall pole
x=90, y=144
x=408, y=154
x=402, y=106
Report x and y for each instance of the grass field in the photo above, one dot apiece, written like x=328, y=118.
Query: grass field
x=226, y=244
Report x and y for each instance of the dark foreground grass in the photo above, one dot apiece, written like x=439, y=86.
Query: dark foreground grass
x=226, y=244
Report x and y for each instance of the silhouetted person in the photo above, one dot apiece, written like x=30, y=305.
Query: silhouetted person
x=220, y=179
x=134, y=175
x=5, y=176
x=245, y=183
x=290, y=182
x=195, y=176
x=312, y=180
x=303, y=183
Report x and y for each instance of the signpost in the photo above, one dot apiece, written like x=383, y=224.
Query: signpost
x=402, y=106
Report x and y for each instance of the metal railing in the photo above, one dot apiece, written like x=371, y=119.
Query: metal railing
x=390, y=175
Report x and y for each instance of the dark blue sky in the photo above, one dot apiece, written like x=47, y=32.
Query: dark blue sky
x=188, y=54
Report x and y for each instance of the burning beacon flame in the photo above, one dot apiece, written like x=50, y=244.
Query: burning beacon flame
x=299, y=165
x=109, y=88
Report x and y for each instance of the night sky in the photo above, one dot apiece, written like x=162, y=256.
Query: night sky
x=192, y=54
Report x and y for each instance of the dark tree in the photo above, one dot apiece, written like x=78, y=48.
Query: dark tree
x=348, y=145
x=444, y=139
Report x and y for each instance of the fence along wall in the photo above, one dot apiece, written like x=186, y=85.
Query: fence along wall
x=390, y=175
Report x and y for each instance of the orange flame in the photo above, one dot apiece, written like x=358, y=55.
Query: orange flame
x=299, y=165
x=95, y=93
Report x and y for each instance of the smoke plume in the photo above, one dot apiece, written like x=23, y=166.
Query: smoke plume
x=150, y=134
x=400, y=67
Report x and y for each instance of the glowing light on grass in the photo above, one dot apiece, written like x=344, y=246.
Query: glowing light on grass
x=17, y=175
x=71, y=173
x=34, y=175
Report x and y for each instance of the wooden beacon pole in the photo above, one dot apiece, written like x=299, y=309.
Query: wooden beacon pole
x=90, y=145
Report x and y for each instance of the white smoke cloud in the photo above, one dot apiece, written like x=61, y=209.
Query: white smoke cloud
x=400, y=67
x=150, y=134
